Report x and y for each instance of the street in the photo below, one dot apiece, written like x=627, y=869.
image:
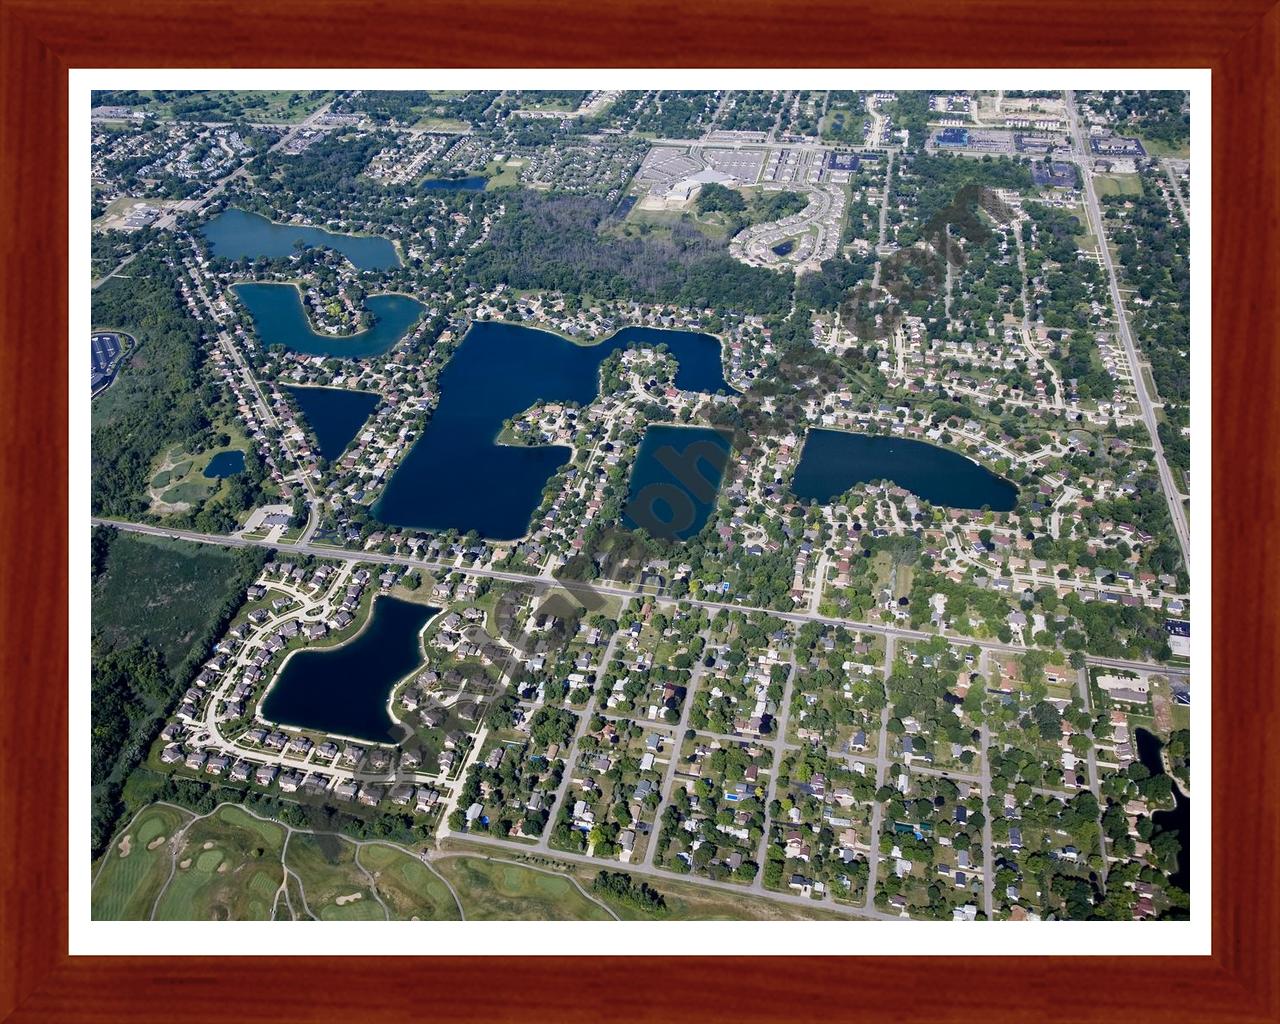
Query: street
x=1177, y=514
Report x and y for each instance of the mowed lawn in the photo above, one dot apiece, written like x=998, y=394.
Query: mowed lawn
x=410, y=889
x=228, y=869
x=1117, y=184
x=136, y=866
x=336, y=888
x=165, y=591
x=495, y=891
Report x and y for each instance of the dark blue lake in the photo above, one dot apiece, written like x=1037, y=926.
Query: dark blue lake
x=335, y=415
x=225, y=464
x=344, y=690
x=278, y=314
x=784, y=247
x=1177, y=820
x=833, y=461
x=472, y=184
x=237, y=234
x=675, y=480
x=456, y=477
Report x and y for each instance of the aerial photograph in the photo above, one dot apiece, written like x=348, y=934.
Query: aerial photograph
x=639, y=505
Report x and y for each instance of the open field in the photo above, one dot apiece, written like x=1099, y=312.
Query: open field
x=326, y=866
x=165, y=591
x=659, y=224
x=1117, y=184
x=228, y=866
x=258, y=105
x=227, y=869
x=179, y=475
x=442, y=124
x=1157, y=147
x=496, y=891
x=136, y=866
x=503, y=174
x=686, y=901
x=411, y=891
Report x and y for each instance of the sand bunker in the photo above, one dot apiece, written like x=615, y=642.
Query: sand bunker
x=185, y=864
x=155, y=842
x=208, y=845
x=126, y=844
x=342, y=901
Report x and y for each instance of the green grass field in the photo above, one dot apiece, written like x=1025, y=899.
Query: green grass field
x=1117, y=184
x=228, y=869
x=131, y=875
x=259, y=105
x=1157, y=147
x=326, y=865
x=411, y=891
x=493, y=891
x=192, y=490
x=165, y=591
x=503, y=174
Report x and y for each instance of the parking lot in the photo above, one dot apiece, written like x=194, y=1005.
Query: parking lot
x=105, y=348
x=663, y=166
x=743, y=164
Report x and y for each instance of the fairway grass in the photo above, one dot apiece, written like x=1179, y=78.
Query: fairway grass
x=126, y=887
x=496, y=891
x=326, y=866
x=233, y=870
x=411, y=890
x=227, y=866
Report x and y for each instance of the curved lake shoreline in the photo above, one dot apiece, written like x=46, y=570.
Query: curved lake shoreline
x=450, y=477
x=335, y=415
x=675, y=479
x=281, y=319
x=239, y=234
x=344, y=690
x=224, y=464
x=834, y=461
x=1178, y=819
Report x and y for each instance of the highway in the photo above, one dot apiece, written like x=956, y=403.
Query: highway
x=610, y=590
x=1081, y=155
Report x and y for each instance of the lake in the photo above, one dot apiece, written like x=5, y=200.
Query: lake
x=335, y=415
x=280, y=318
x=237, y=234
x=457, y=477
x=833, y=461
x=475, y=183
x=1177, y=820
x=675, y=479
x=225, y=464
x=344, y=690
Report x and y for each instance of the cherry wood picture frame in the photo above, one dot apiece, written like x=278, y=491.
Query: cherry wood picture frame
x=41, y=39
